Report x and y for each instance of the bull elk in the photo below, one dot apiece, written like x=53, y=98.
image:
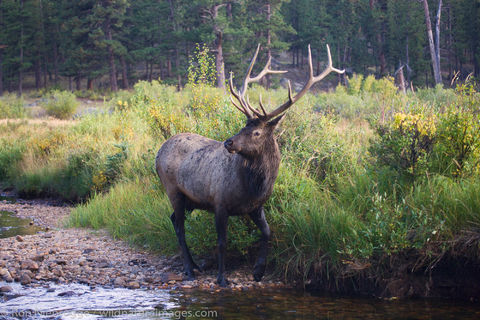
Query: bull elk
x=234, y=177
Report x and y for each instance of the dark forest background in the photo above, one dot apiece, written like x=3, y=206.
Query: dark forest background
x=111, y=44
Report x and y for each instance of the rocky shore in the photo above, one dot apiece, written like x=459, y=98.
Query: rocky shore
x=64, y=255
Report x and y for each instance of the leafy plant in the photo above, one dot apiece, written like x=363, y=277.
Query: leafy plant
x=61, y=104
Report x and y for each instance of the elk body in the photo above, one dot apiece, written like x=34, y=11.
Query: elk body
x=234, y=177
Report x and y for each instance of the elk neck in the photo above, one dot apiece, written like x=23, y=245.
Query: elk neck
x=258, y=173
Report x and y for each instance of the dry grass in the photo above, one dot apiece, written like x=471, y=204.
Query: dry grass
x=49, y=122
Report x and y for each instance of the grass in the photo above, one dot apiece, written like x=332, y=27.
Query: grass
x=334, y=202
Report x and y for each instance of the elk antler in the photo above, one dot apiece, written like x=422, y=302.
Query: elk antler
x=245, y=105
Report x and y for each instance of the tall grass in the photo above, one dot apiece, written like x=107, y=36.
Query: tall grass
x=334, y=202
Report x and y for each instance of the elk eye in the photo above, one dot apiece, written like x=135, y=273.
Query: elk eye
x=256, y=133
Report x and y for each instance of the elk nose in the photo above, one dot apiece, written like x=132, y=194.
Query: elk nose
x=228, y=143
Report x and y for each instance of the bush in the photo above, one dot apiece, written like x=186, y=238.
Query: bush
x=404, y=143
x=11, y=107
x=61, y=104
x=10, y=156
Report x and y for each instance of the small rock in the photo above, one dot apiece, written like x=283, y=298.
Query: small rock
x=58, y=272
x=61, y=262
x=52, y=251
x=66, y=294
x=119, y=282
x=161, y=306
x=3, y=272
x=187, y=286
x=88, y=251
x=25, y=279
x=169, y=276
x=50, y=290
x=2, y=263
x=39, y=258
x=134, y=285
x=19, y=238
x=47, y=235
x=4, y=289
x=29, y=265
x=12, y=296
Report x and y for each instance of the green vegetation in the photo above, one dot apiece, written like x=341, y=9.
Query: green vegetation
x=11, y=106
x=366, y=172
x=61, y=104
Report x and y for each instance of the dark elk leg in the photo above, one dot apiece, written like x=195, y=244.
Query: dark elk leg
x=178, y=220
x=258, y=217
x=221, y=220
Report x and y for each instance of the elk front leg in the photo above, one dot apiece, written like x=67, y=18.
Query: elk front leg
x=178, y=220
x=258, y=216
x=221, y=221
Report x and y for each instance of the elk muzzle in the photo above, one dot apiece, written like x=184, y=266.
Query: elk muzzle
x=229, y=146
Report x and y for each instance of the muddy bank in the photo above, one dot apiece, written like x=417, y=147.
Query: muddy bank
x=429, y=272
x=94, y=258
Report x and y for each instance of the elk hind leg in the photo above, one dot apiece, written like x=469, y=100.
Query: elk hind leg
x=258, y=217
x=221, y=221
x=178, y=221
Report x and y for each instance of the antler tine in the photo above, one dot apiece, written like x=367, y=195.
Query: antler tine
x=249, y=71
x=311, y=81
x=236, y=106
x=255, y=111
x=266, y=70
x=245, y=106
x=261, y=105
x=238, y=97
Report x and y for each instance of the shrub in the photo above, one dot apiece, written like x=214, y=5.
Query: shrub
x=11, y=107
x=405, y=143
x=61, y=104
x=10, y=156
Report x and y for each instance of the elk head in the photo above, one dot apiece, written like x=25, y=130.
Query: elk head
x=250, y=141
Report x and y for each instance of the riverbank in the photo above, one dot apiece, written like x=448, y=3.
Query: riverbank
x=90, y=257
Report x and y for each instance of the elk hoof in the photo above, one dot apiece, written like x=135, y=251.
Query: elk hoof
x=222, y=282
x=190, y=275
x=196, y=267
x=258, y=272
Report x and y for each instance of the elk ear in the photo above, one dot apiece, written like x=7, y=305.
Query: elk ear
x=275, y=122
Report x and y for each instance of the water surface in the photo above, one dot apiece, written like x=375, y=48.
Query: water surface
x=75, y=301
x=11, y=225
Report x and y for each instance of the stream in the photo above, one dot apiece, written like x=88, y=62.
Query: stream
x=76, y=301
x=48, y=300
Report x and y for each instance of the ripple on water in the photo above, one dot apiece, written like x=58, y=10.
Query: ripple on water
x=75, y=301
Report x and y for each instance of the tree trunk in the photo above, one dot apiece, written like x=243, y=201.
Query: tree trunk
x=45, y=70
x=111, y=58
x=380, y=51
x=38, y=77
x=436, y=65
x=70, y=84
x=1, y=73
x=219, y=64
x=169, y=67
x=20, y=69
x=177, y=54
x=437, y=37
x=269, y=40
x=78, y=83
x=1, y=57
x=55, y=63
x=89, y=84
x=124, y=72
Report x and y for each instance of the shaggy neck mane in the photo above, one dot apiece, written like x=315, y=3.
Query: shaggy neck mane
x=259, y=173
